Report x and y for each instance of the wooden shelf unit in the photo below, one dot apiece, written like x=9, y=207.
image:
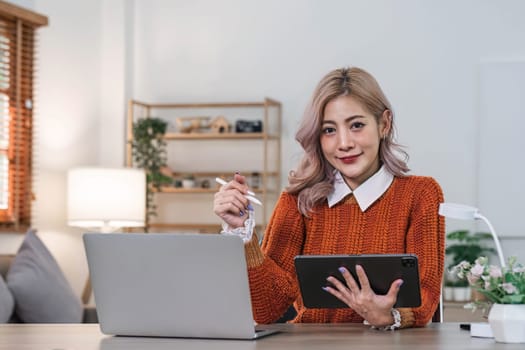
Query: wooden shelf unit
x=269, y=140
x=224, y=136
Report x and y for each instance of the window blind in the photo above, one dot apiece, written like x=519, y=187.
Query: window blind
x=17, y=55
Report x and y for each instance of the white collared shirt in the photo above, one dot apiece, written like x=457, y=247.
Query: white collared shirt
x=366, y=194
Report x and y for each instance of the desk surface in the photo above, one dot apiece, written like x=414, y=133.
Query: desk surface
x=293, y=337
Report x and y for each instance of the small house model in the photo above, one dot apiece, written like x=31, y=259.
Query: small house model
x=219, y=125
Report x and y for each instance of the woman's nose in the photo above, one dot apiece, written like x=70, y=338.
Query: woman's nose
x=345, y=140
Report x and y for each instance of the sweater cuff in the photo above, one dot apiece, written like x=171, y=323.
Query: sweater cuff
x=407, y=317
x=253, y=252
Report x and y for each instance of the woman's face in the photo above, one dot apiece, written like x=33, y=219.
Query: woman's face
x=350, y=138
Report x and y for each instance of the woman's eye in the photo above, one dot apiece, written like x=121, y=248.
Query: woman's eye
x=357, y=125
x=328, y=130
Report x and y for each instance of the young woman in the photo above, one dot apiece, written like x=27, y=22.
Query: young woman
x=349, y=195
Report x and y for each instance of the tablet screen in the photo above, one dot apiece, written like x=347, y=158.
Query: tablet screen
x=381, y=270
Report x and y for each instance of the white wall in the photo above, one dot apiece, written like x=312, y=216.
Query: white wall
x=97, y=54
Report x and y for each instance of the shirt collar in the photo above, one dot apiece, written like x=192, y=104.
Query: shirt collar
x=366, y=194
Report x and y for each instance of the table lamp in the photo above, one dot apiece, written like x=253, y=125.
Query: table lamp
x=106, y=200
x=465, y=212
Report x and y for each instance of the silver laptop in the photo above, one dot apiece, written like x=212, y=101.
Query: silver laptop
x=171, y=285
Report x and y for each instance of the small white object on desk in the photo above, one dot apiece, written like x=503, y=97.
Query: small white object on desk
x=481, y=330
x=250, y=196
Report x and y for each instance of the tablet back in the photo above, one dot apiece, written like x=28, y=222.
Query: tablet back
x=381, y=270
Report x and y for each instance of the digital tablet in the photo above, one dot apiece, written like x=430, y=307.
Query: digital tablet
x=381, y=270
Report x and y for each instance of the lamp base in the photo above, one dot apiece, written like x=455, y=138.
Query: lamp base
x=86, y=293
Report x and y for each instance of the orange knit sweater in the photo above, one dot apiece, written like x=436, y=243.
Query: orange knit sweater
x=403, y=220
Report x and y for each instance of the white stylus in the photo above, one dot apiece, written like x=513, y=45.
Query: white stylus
x=250, y=196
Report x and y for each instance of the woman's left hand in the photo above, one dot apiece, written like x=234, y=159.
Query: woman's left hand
x=374, y=308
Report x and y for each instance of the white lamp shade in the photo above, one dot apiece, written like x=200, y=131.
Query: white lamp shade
x=106, y=198
x=458, y=211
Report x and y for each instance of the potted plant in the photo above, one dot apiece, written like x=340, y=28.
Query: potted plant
x=504, y=289
x=149, y=153
x=188, y=181
x=464, y=246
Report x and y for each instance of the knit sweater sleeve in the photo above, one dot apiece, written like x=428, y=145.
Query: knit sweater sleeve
x=426, y=239
x=271, y=268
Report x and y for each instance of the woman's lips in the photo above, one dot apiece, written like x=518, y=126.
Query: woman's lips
x=349, y=159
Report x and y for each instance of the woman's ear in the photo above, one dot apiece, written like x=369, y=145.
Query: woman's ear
x=385, y=123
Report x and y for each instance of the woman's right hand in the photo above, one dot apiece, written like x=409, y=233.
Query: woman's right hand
x=230, y=204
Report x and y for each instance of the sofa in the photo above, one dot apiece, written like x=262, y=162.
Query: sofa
x=33, y=288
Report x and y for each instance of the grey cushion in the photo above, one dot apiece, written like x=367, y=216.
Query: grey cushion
x=40, y=289
x=7, y=303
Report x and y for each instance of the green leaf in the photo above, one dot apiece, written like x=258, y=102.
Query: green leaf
x=513, y=299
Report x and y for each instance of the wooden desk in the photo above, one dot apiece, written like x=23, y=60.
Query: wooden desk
x=294, y=337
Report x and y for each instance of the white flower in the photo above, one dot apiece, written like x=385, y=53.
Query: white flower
x=461, y=268
x=495, y=271
x=509, y=288
x=518, y=269
x=464, y=265
x=477, y=270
